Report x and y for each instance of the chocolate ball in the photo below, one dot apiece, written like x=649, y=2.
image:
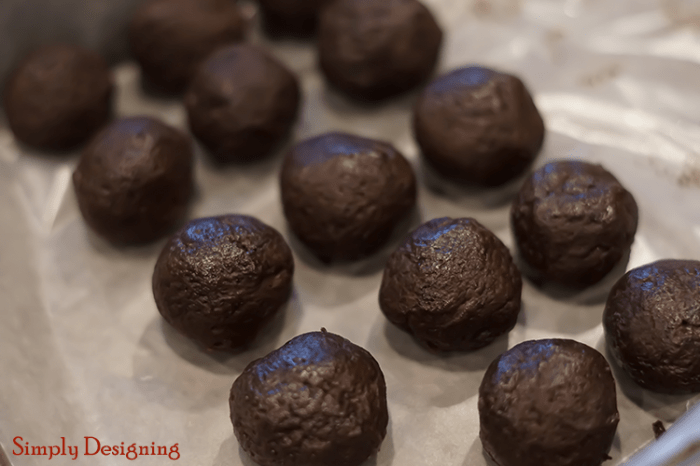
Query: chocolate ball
x=291, y=17
x=241, y=103
x=318, y=400
x=134, y=180
x=452, y=284
x=170, y=38
x=58, y=96
x=478, y=126
x=343, y=195
x=548, y=403
x=374, y=49
x=652, y=325
x=220, y=280
x=573, y=222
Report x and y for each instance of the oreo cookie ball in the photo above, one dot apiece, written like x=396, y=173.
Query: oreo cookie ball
x=220, y=280
x=134, y=180
x=374, y=49
x=58, y=96
x=573, y=222
x=652, y=325
x=548, y=403
x=478, y=126
x=452, y=284
x=291, y=17
x=343, y=195
x=241, y=103
x=170, y=38
x=318, y=400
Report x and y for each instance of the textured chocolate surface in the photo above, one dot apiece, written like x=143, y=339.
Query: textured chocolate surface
x=343, y=194
x=374, y=49
x=573, y=222
x=319, y=400
x=58, y=96
x=134, y=180
x=241, y=103
x=548, y=403
x=478, y=126
x=452, y=284
x=652, y=325
x=291, y=17
x=170, y=38
x=219, y=280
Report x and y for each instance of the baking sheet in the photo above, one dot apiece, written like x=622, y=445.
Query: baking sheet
x=83, y=351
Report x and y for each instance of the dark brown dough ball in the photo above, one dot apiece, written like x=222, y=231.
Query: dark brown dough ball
x=652, y=325
x=219, y=280
x=170, y=38
x=478, y=126
x=343, y=194
x=241, y=103
x=319, y=400
x=452, y=284
x=548, y=403
x=374, y=49
x=573, y=222
x=134, y=180
x=58, y=96
x=291, y=17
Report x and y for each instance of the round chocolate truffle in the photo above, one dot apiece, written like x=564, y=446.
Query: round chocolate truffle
x=374, y=49
x=573, y=222
x=478, y=126
x=343, y=194
x=219, y=280
x=170, y=38
x=241, y=103
x=291, y=17
x=548, y=403
x=452, y=284
x=134, y=180
x=652, y=325
x=319, y=400
x=58, y=96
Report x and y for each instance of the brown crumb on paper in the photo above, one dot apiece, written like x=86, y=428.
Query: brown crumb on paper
x=601, y=76
x=496, y=8
x=659, y=429
x=690, y=176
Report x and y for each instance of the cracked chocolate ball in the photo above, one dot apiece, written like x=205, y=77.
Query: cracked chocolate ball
x=170, y=38
x=478, y=126
x=319, y=400
x=452, y=284
x=375, y=49
x=291, y=17
x=343, y=195
x=652, y=325
x=220, y=280
x=548, y=403
x=573, y=222
x=134, y=180
x=58, y=96
x=242, y=103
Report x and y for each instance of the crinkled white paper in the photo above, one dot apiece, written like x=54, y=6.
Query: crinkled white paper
x=83, y=351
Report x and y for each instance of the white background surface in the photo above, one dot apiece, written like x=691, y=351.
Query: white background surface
x=83, y=351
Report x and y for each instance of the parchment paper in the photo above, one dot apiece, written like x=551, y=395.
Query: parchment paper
x=83, y=351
